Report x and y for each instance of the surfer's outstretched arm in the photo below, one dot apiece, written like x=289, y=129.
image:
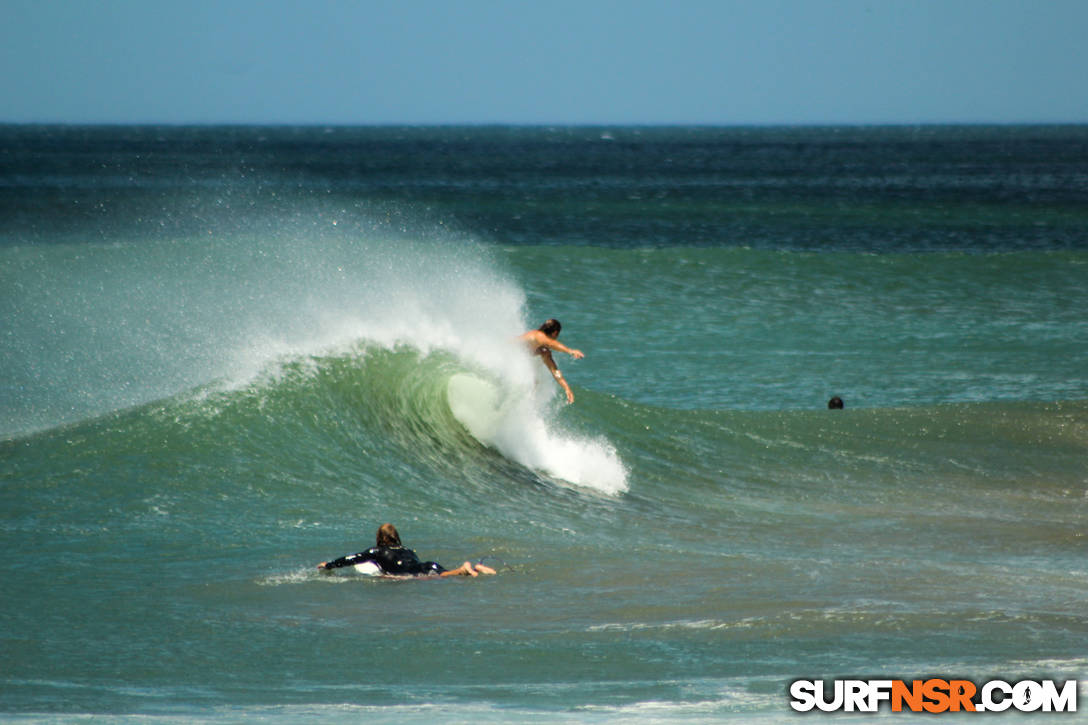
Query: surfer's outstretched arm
x=542, y=342
x=549, y=363
x=349, y=560
x=556, y=345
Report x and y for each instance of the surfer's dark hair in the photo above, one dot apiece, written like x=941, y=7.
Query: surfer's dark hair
x=388, y=536
x=550, y=326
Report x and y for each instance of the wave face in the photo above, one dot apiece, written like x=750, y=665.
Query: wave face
x=126, y=324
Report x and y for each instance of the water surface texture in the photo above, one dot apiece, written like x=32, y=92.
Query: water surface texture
x=230, y=353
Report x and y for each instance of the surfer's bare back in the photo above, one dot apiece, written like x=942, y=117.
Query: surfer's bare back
x=542, y=341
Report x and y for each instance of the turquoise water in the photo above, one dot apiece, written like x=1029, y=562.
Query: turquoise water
x=230, y=354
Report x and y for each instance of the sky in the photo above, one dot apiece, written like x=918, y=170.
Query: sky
x=716, y=62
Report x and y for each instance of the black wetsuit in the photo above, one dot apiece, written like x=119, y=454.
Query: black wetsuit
x=394, y=560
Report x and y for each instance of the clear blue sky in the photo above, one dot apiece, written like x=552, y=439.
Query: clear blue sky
x=544, y=61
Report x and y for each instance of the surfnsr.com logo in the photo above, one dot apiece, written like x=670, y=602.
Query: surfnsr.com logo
x=934, y=695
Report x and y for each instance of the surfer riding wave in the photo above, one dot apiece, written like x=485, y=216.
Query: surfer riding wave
x=542, y=341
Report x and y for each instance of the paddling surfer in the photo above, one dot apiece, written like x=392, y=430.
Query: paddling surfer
x=542, y=341
x=391, y=558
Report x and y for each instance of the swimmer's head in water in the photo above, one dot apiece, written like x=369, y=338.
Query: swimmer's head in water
x=835, y=403
x=551, y=328
x=388, y=536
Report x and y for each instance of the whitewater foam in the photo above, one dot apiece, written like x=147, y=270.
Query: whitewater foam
x=515, y=421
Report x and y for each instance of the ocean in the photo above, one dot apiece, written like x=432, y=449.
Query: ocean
x=230, y=353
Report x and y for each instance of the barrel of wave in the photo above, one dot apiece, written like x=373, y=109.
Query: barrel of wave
x=514, y=424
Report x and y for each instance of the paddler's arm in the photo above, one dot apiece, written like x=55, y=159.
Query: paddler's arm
x=349, y=560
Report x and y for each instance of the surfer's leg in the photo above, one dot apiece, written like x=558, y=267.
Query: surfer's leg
x=463, y=570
